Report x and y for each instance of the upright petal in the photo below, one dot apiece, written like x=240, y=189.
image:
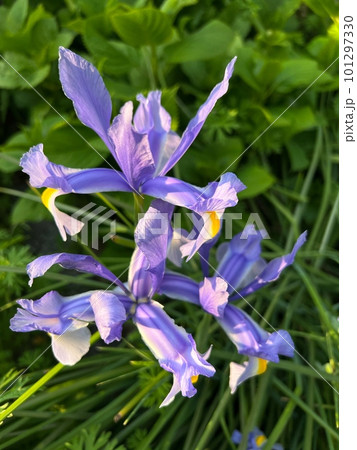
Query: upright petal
x=139, y=278
x=250, y=339
x=173, y=347
x=237, y=257
x=71, y=346
x=197, y=122
x=109, y=315
x=131, y=149
x=82, y=83
x=82, y=263
x=153, y=236
x=272, y=270
x=214, y=296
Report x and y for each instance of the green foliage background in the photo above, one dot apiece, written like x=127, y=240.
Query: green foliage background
x=276, y=128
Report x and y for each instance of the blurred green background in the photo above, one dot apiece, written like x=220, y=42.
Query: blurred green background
x=280, y=114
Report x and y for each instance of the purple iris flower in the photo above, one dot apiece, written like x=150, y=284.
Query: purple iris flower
x=256, y=440
x=143, y=145
x=241, y=271
x=66, y=319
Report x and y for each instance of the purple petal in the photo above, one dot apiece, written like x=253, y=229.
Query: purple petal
x=109, y=315
x=82, y=263
x=71, y=346
x=131, y=149
x=237, y=257
x=173, y=347
x=44, y=173
x=180, y=287
x=179, y=238
x=139, y=279
x=153, y=235
x=272, y=270
x=250, y=339
x=214, y=296
x=82, y=83
x=197, y=122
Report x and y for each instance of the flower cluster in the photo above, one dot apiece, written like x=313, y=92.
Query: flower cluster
x=145, y=148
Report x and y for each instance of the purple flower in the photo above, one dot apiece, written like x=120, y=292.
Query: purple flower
x=256, y=440
x=241, y=271
x=67, y=318
x=143, y=145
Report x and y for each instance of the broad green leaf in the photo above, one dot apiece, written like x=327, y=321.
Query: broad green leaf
x=16, y=16
x=23, y=68
x=257, y=180
x=324, y=8
x=142, y=27
x=274, y=13
x=173, y=7
x=212, y=40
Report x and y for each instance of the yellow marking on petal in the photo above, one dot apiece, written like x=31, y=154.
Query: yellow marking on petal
x=259, y=440
x=215, y=223
x=262, y=366
x=46, y=196
x=194, y=379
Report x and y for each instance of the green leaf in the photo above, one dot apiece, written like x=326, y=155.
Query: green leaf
x=142, y=27
x=324, y=8
x=23, y=68
x=173, y=7
x=28, y=211
x=257, y=180
x=16, y=16
x=212, y=40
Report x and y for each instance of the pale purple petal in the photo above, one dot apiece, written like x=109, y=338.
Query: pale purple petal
x=173, y=347
x=250, y=339
x=71, y=346
x=109, y=315
x=44, y=173
x=82, y=263
x=180, y=287
x=139, y=278
x=272, y=270
x=214, y=295
x=82, y=83
x=238, y=373
x=153, y=236
x=197, y=122
x=237, y=257
x=131, y=148
x=179, y=238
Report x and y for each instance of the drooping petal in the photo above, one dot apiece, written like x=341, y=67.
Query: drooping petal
x=132, y=149
x=272, y=270
x=250, y=339
x=52, y=313
x=71, y=346
x=238, y=373
x=237, y=257
x=214, y=295
x=153, y=235
x=82, y=83
x=109, y=315
x=180, y=287
x=173, y=347
x=195, y=125
x=82, y=263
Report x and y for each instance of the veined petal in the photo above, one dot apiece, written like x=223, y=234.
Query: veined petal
x=109, y=315
x=71, y=346
x=241, y=372
x=214, y=295
x=180, y=287
x=153, y=235
x=82, y=263
x=250, y=339
x=82, y=83
x=237, y=258
x=173, y=347
x=179, y=238
x=139, y=278
x=195, y=125
x=272, y=270
x=131, y=149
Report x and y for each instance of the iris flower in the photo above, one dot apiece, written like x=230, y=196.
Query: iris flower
x=256, y=440
x=66, y=319
x=143, y=145
x=241, y=271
